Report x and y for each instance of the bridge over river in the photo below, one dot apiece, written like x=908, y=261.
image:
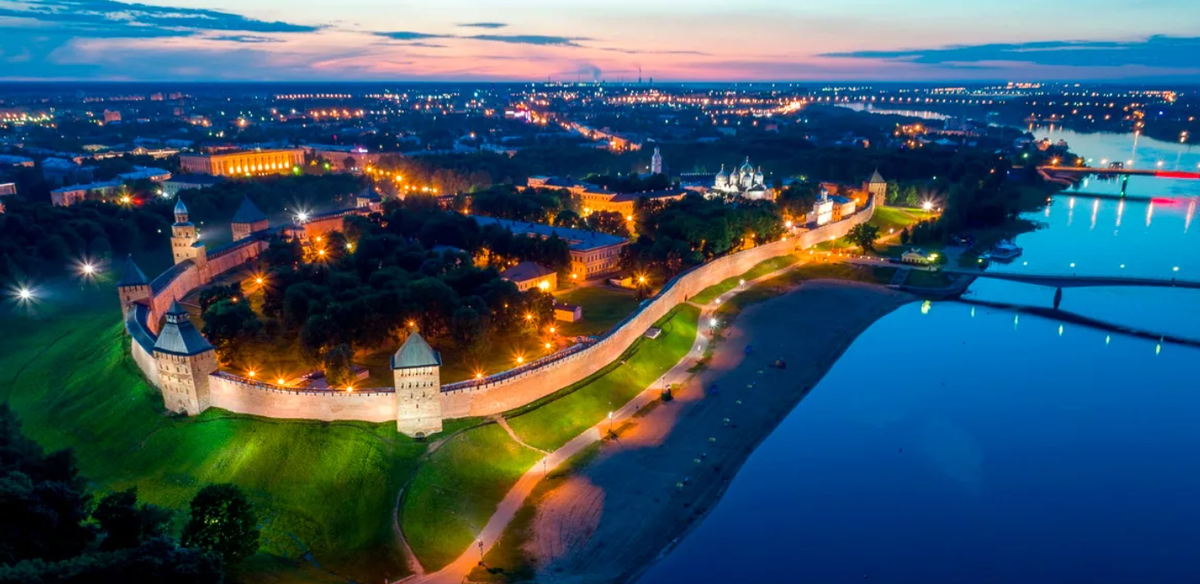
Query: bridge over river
x=1074, y=281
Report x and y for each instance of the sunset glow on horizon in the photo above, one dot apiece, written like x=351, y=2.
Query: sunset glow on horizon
x=614, y=40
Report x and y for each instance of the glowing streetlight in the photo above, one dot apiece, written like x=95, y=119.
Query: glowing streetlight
x=712, y=322
x=259, y=280
x=25, y=294
x=927, y=206
x=88, y=269
x=251, y=373
x=547, y=345
x=520, y=359
x=528, y=316
x=280, y=381
x=302, y=217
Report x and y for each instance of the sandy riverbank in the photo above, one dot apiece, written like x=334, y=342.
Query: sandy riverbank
x=613, y=517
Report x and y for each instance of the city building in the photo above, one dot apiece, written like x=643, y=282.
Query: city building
x=6, y=190
x=822, y=212
x=593, y=254
x=337, y=155
x=244, y=163
x=529, y=275
x=745, y=183
x=62, y=171
x=9, y=160
x=175, y=184
x=595, y=200
x=111, y=116
x=67, y=196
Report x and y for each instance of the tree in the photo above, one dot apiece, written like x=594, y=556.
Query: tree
x=215, y=294
x=339, y=368
x=222, y=521
x=127, y=524
x=227, y=324
x=43, y=502
x=608, y=222
x=863, y=235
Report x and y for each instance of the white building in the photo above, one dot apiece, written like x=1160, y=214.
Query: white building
x=656, y=162
x=745, y=182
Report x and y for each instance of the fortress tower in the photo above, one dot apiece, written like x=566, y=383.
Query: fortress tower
x=248, y=220
x=877, y=188
x=133, y=285
x=656, y=166
x=184, y=236
x=185, y=360
x=369, y=199
x=416, y=369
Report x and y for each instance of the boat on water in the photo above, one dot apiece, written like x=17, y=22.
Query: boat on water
x=1005, y=251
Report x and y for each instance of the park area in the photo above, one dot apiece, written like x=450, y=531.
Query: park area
x=326, y=492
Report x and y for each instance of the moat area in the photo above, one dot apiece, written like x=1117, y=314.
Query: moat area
x=962, y=443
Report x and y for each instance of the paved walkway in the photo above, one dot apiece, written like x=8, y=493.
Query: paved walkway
x=458, y=570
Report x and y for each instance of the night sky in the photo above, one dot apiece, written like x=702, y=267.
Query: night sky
x=670, y=40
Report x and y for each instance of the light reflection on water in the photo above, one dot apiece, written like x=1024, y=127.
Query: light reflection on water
x=984, y=449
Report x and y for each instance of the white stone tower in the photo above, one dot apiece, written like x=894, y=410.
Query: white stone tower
x=656, y=162
x=133, y=286
x=184, y=236
x=877, y=188
x=185, y=360
x=416, y=370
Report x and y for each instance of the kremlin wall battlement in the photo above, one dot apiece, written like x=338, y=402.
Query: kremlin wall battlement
x=488, y=396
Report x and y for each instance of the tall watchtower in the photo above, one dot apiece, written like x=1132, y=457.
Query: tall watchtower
x=416, y=369
x=184, y=236
x=248, y=220
x=185, y=360
x=877, y=188
x=133, y=285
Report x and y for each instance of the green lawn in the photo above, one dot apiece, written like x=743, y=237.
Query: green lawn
x=570, y=411
x=321, y=488
x=761, y=269
x=457, y=490
x=897, y=218
x=603, y=307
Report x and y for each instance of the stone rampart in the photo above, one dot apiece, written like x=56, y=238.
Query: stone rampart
x=506, y=391
x=244, y=396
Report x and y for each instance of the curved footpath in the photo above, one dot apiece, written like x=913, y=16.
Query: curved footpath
x=658, y=452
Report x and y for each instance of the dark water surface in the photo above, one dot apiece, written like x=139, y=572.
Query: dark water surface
x=966, y=444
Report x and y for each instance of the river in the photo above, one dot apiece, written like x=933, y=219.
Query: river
x=958, y=443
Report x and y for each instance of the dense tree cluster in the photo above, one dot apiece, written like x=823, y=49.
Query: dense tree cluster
x=38, y=240
x=397, y=279
x=694, y=230
x=537, y=205
x=631, y=183
x=52, y=532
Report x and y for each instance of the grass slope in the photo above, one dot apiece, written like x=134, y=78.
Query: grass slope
x=458, y=489
x=761, y=269
x=572, y=410
x=325, y=489
x=602, y=306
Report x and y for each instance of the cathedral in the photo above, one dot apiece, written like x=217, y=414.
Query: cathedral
x=745, y=182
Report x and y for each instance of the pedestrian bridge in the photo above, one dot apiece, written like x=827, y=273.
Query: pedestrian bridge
x=1073, y=281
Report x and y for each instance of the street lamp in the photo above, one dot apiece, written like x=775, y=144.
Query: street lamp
x=25, y=294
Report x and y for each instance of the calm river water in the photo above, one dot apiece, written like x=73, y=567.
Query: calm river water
x=961, y=444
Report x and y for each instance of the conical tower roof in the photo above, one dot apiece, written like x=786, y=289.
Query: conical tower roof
x=132, y=275
x=876, y=177
x=179, y=336
x=247, y=212
x=415, y=352
x=180, y=208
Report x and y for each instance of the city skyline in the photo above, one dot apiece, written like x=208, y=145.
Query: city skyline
x=755, y=40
